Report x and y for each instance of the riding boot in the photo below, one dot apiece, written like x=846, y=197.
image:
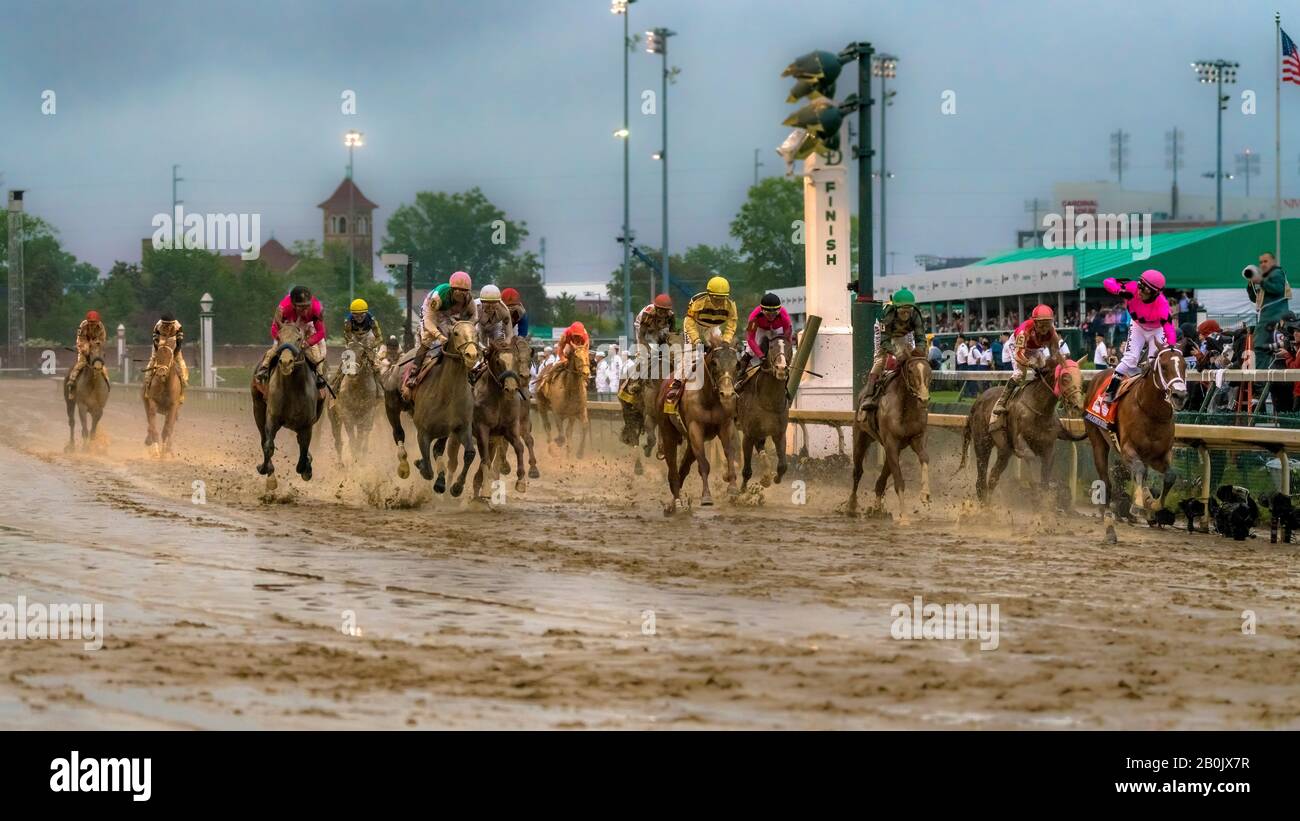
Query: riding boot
x=416, y=363
x=670, y=400
x=263, y=374
x=999, y=415
x=873, y=393
x=1113, y=388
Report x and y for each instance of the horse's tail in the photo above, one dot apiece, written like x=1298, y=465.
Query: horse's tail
x=966, y=437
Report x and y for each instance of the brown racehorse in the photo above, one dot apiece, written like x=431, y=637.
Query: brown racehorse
x=291, y=401
x=562, y=390
x=89, y=397
x=765, y=407
x=899, y=421
x=498, y=408
x=162, y=394
x=707, y=409
x=653, y=366
x=1145, y=419
x=353, y=410
x=1030, y=429
x=442, y=407
x=523, y=362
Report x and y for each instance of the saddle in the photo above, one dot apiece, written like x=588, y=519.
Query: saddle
x=429, y=361
x=1104, y=414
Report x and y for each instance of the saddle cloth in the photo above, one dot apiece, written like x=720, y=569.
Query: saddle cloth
x=427, y=366
x=1102, y=413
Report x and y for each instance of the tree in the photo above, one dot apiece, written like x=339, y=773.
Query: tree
x=523, y=272
x=766, y=230
x=690, y=274
x=50, y=274
x=326, y=274
x=564, y=309
x=444, y=233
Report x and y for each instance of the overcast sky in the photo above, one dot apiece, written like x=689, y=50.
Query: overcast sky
x=520, y=98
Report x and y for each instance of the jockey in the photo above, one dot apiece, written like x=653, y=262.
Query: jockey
x=492, y=322
x=518, y=314
x=167, y=327
x=766, y=321
x=707, y=311
x=457, y=305
x=443, y=307
x=575, y=336
x=361, y=327
x=1151, y=324
x=652, y=327
x=1036, y=343
x=299, y=307
x=91, y=336
x=897, y=332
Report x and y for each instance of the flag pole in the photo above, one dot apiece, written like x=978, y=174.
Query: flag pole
x=1277, y=139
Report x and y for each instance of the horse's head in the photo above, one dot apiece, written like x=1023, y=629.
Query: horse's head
x=1170, y=374
x=580, y=361
x=916, y=375
x=722, y=361
x=464, y=343
x=778, y=356
x=1069, y=384
x=290, y=350
x=503, y=355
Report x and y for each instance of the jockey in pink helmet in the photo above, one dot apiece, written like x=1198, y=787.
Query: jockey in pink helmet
x=1152, y=326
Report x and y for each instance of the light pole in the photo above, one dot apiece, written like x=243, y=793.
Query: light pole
x=1247, y=166
x=1217, y=72
x=657, y=43
x=620, y=7
x=352, y=140
x=205, y=331
x=757, y=165
x=885, y=67
x=1118, y=142
x=1173, y=162
x=404, y=261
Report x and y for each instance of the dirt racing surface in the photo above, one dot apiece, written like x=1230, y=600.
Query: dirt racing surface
x=359, y=600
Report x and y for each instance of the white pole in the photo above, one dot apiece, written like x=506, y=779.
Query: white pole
x=205, y=322
x=1277, y=137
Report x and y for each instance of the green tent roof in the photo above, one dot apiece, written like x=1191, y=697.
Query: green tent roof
x=1204, y=258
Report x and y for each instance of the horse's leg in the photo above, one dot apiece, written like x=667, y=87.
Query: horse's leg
x=483, y=435
x=918, y=447
x=425, y=464
x=1139, y=470
x=696, y=431
x=729, y=447
x=169, y=426
x=1101, y=462
x=684, y=469
x=670, y=459
x=467, y=444
x=85, y=431
x=267, y=468
x=892, y=468
x=151, y=428
x=441, y=458
x=746, y=469
x=860, y=445
x=72, y=425
x=393, y=410
x=779, y=441
x=1169, y=476
x=1004, y=458
x=304, y=453
x=585, y=422
x=982, y=469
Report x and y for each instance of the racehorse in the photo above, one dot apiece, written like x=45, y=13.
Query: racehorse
x=523, y=362
x=442, y=406
x=642, y=415
x=89, y=397
x=704, y=411
x=899, y=421
x=765, y=407
x=162, y=394
x=291, y=401
x=1144, y=417
x=562, y=390
x=498, y=409
x=353, y=409
x=1031, y=427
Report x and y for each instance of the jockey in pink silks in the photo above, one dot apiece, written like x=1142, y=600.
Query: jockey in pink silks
x=1151, y=328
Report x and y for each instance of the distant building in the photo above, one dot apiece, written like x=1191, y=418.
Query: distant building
x=337, y=227
x=591, y=297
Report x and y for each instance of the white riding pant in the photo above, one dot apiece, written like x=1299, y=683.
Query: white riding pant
x=1152, y=339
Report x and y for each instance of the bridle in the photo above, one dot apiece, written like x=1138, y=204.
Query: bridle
x=772, y=363
x=905, y=370
x=1166, y=384
x=724, y=380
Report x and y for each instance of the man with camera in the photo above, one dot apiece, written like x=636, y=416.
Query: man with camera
x=1267, y=287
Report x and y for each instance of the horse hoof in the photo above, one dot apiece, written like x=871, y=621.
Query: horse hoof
x=404, y=469
x=765, y=481
x=637, y=469
x=271, y=484
x=521, y=486
x=264, y=469
x=534, y=473
x=305, y=474
x=1111, y=538
x=440, y=486
x=456, y=489
x=706, y=502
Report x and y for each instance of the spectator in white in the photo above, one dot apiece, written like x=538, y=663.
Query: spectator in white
x=963, y=353
x=1099, y=353
x=602, y=377
x=547, y=358
x=1008, y=352
x=986, y=356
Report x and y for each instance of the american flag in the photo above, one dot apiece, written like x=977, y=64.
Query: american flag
x=1290, y=61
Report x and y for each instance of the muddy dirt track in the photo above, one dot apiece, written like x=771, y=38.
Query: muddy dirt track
x=579, y=605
